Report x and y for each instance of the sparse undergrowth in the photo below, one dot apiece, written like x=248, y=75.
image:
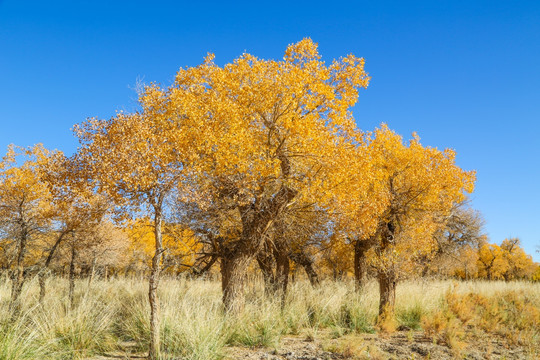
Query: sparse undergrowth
x=111, y=318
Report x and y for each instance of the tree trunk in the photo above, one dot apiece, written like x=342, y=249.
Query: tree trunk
x=72, y=275
x=154, y=348
x=282, y=270
x=387, y=277
x=18, y=277
x=387, y=292
x=256, y=219
x=312, y=274
x=233, y=278
x=265, y=261
x=360, y=266
x=44, y=271
x=92, y=272
x=42, y=284
x=425, y=271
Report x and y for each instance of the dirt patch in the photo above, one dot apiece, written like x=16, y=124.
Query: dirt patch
x=401, y=345
x=290, y=348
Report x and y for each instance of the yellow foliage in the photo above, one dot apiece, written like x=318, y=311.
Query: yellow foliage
x=408, y=188
x=491, y=262
x=25, y=203
x=179, y=242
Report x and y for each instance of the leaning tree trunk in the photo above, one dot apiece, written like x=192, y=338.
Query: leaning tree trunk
x=43, y=273
x=154, y=347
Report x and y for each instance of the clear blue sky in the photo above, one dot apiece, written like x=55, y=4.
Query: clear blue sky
x=463, y=74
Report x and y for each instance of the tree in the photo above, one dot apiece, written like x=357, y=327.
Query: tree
x=491, y=262
x=457, y=243
x=294, y=236
x=25, y=210
x=278, y=130
x=467, y=263
x=520, y=265
x=410, y=189
x=139, y=160
x=336, y=256
x=75, y=206
x=95, y=245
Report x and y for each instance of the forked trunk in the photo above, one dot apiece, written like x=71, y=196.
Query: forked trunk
x=154, y=347
x=312, y=274
x=236, y=257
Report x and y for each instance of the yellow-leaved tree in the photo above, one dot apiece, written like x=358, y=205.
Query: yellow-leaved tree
x=278, y=131
x=76, y=207
x=520, y=265
x=492, y=263
x=407, y=192
x=138, y=160
x=25, y=211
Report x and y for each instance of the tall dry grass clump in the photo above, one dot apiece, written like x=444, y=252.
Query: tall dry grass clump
x=508, y=310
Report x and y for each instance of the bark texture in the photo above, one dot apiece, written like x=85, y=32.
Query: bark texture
x=266, y=264
x=233, y=278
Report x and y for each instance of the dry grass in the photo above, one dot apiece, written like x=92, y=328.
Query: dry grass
x=113, y=313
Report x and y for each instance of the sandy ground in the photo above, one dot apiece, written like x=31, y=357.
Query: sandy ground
x=398, y=345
